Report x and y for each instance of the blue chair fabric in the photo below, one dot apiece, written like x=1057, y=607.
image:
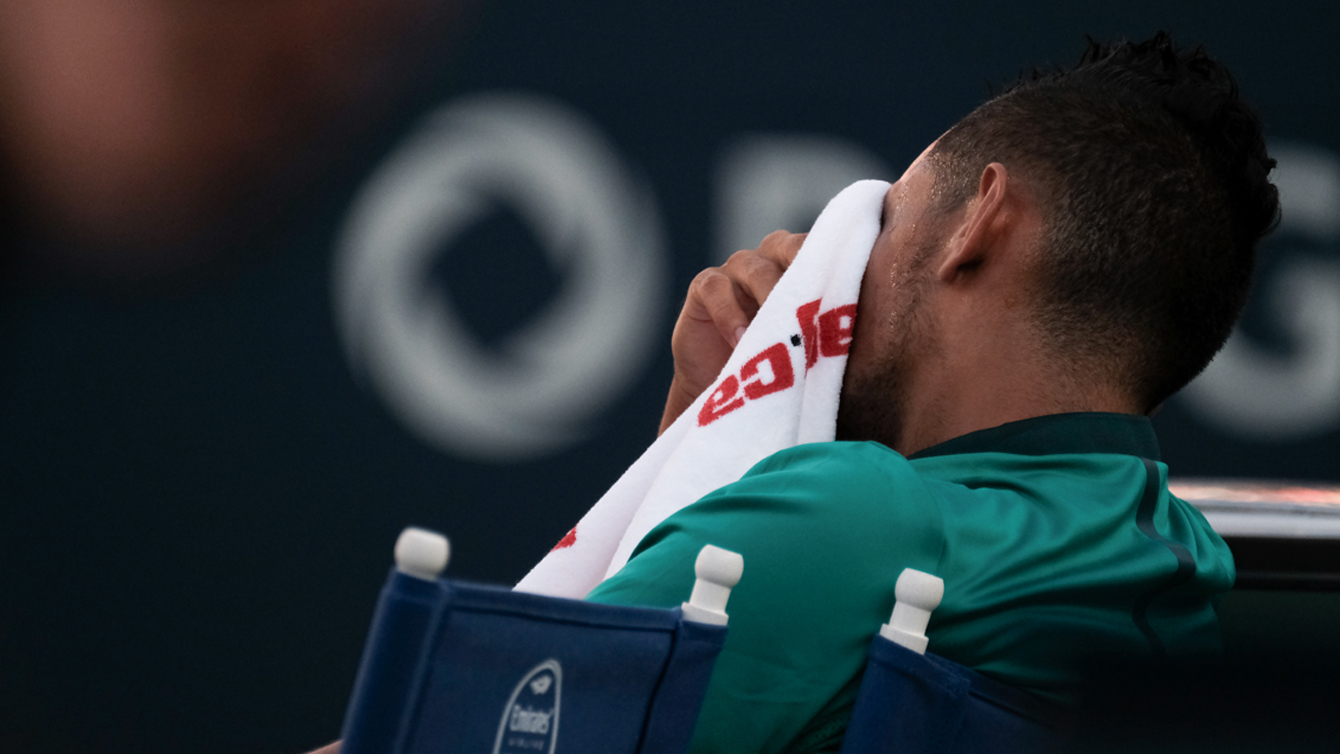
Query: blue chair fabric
x=922, y=704
x=457, y=667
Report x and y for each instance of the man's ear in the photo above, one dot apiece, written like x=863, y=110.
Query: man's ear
x=985, y=222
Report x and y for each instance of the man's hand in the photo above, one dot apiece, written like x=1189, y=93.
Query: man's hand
x=722, y=301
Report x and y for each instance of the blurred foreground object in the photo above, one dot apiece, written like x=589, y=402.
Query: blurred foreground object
x=131, y=124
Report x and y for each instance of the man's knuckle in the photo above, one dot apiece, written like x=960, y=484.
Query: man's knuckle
x=740, y=258
x=704, y=279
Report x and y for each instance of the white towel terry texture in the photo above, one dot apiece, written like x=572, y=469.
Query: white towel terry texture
x=779, y=389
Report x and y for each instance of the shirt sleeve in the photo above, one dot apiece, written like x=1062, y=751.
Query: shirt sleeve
x=825, y=530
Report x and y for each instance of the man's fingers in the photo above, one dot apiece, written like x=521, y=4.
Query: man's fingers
x=782, y=247
x=721, y=303
x=754, y=277
x=713, y=296
x=755, y=272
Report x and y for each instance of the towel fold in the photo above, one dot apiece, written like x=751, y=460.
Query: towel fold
x=780, y=388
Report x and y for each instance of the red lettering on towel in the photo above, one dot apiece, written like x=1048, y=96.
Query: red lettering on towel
x=568, y=540
x=756, y=383
x=809, y=331
x=779, y=361
x=722, y=401
x=827, y=334
x=835, y=329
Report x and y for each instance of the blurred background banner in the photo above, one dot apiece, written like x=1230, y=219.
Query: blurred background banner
x=281, y=277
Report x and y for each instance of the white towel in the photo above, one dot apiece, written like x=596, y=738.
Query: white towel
x=779, y=389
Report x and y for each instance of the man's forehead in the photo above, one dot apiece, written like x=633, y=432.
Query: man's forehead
x=917, y=177
x=924, y=158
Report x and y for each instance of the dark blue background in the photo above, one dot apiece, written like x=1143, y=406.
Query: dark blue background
x=198, y=498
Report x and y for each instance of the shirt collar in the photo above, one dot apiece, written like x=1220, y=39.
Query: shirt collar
x=1089, y=432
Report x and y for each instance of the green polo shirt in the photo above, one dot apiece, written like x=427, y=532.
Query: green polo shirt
x=1056, y=539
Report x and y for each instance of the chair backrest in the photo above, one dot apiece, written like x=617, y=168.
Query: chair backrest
x=911, y=702
x=455, y=667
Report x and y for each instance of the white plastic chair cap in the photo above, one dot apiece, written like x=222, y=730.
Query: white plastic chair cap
x=717, y=571
x=917, y=594
x=422, y=553
x=919, y=589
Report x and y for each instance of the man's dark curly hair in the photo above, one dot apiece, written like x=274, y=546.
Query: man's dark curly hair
x=1151, y=174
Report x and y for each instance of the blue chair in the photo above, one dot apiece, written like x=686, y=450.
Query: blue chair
x=916, y=703
x=455, y=667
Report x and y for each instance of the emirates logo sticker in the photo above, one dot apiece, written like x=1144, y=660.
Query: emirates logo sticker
x=529, y=722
